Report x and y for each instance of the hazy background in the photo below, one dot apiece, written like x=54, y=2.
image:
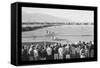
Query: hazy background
x=60, y=15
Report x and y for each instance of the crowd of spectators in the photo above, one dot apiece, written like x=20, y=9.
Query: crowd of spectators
x=57, y=51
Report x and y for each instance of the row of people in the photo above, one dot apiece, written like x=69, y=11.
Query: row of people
x=57, y=51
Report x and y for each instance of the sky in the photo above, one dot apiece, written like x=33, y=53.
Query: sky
x=73, y=15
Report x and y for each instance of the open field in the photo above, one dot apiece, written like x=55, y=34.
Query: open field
x=71, y=33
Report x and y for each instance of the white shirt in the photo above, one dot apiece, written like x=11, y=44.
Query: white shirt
x=60, y=51
x=35, y=53
x=49, y=51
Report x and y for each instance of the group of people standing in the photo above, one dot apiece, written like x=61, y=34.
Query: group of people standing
x=57, y=51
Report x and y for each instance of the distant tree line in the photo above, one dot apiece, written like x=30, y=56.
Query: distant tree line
x=29, y=28
x=55, y=23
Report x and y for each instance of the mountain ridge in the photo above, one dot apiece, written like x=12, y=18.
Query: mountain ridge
x=41, y=17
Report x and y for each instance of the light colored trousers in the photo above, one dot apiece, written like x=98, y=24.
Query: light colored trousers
x=56, y=56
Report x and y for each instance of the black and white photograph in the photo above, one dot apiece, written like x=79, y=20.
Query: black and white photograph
x=56, y=34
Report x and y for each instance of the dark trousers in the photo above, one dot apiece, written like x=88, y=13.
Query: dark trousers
x=49, y=57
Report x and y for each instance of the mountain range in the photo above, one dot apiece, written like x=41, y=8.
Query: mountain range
x=41, y=17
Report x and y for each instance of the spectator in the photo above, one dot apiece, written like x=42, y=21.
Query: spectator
x=25, y=54
x=49, y=53
x=56, y=46
x=60, y=52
